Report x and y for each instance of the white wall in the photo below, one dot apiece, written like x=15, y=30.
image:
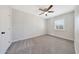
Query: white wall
x=69, y=26
x=26, y=25
x=5, y=26
x=77, y=29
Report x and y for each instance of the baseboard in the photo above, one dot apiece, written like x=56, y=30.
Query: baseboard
x=5, y=50
x=8, y=48
x=28, y=38
x=39, y=36
x=59, y=37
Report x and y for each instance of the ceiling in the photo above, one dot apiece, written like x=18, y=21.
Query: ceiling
x=33, y=9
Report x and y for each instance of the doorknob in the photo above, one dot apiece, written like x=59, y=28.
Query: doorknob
x=2, y=32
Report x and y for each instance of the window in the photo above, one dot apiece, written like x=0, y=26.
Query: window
x=59, y=24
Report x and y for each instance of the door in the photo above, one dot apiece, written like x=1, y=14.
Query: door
x=5, y=28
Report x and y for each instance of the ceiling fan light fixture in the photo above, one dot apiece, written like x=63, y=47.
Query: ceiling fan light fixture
x=45, y=11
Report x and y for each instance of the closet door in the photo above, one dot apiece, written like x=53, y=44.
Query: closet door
x=5, y=28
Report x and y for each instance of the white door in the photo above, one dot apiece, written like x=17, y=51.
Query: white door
x=5, y=28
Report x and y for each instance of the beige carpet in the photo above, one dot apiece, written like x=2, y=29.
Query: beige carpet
x=42, y=45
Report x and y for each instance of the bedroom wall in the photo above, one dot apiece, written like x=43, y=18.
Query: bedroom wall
x=26, y=25
x=76, y=41
x=6, y=28
x=68, y=24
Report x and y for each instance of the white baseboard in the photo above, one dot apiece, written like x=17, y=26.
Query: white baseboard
x=41, y=35
x=28, y=38
x=59, y=37
x=3, y=51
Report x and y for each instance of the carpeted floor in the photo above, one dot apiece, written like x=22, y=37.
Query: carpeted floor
x=42, y=45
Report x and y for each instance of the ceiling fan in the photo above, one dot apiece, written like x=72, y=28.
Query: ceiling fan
x=46, y=10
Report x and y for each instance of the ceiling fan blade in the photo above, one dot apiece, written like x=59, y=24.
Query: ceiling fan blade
x=50, y=7
x=50, y=11
x=41, y=9
x=42, y=13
